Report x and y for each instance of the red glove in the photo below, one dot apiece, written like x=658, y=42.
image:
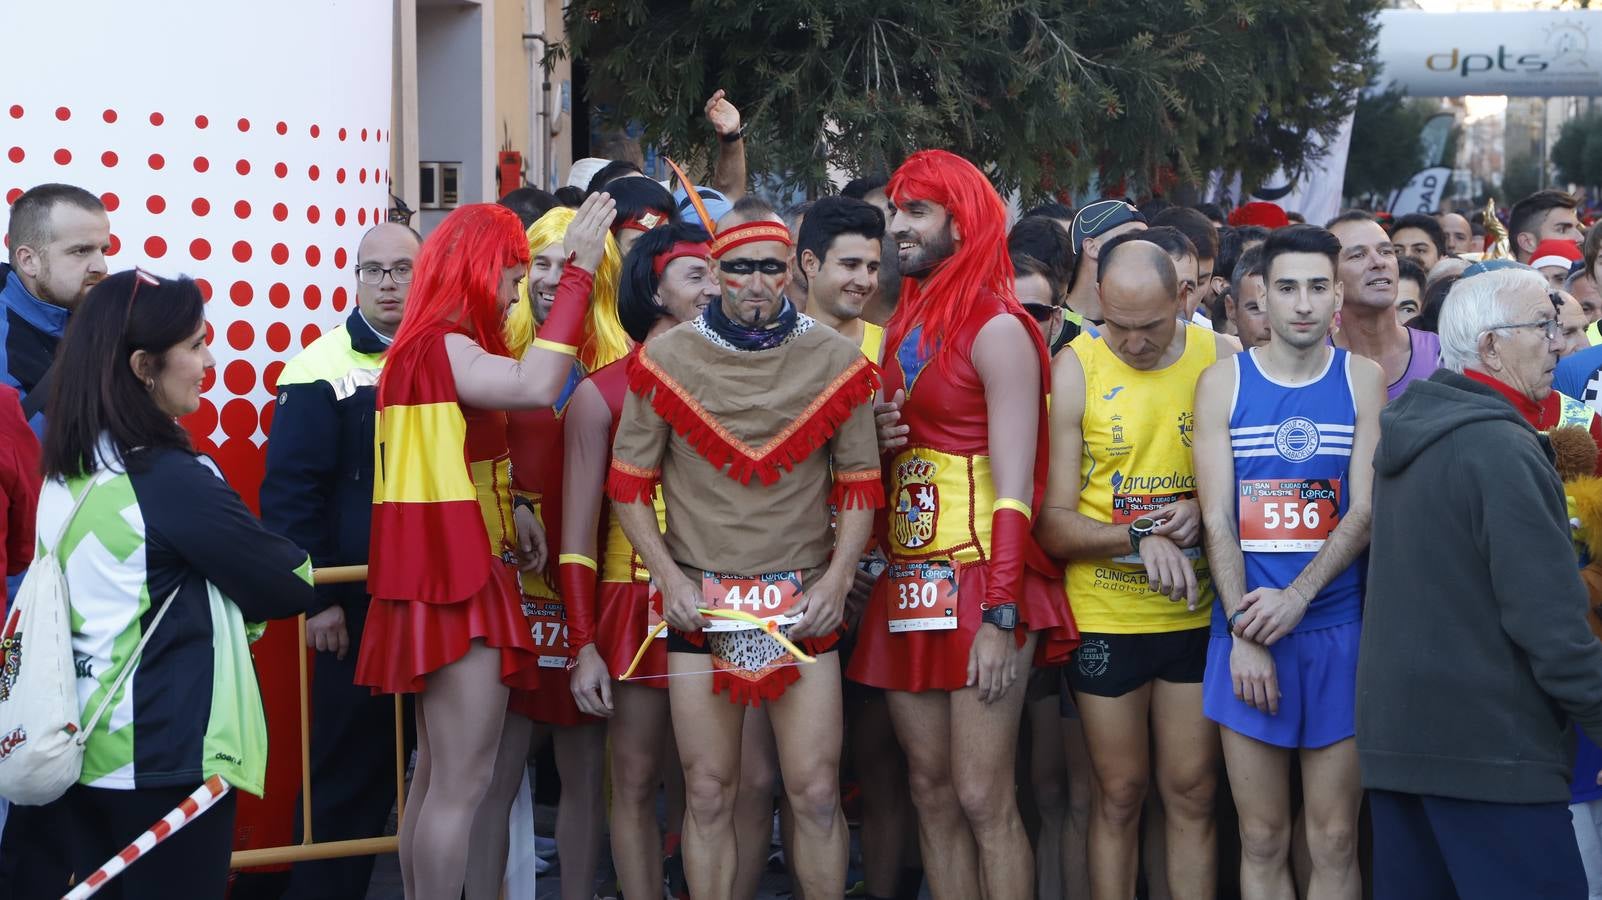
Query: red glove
x=1010, y=540
x=576, y=577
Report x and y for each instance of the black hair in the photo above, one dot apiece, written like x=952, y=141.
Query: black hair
x=529, y=203
x=1171, y=239
x=638, y=196
x=1202, y=233
x=1250, y=263
x=1427, y=224
x=1253, y=234
x=617, y=168
x=1429, y=312
x=30, y=213
x=1052, y=211
x=858, y=188
x=570, y=196
x=637, y=308
x=1300, y=239
x=1408, y=270
x=1212, y=211
x=1295, y=218
x=1229, y=246
x=830, y=217
x=98, y=393
x=1526, y=215
x=1041, y=238
x=1350, y=215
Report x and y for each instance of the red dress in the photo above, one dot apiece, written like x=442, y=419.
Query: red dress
x=620, y=617
x=939, y=499
x=536, y=447
x=438, y=576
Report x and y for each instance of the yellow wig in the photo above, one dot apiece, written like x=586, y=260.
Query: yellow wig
x=604, y=340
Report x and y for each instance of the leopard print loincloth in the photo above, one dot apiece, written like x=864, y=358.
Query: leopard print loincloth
x=750, y=654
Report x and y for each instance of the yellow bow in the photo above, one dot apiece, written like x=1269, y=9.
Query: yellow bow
x=771, y=627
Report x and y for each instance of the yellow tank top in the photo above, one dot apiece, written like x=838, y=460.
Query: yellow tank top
x=1137, y=436
x=872, y=341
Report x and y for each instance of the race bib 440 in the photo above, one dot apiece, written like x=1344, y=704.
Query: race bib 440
x=768, y=596
x=1288, y=515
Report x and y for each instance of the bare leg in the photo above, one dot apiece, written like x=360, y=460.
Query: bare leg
x=1048, y=783
x=466, y=709
x=487, y=849
x=1117, y=737
x=984, y=752
x=886, y=804
x=708, y=738
x=638, y=730
x=580, y=761
x=1154, y=848
x=950, y=858
x=753, y=801
x=1331, y=794
x=807, y=724
x=1187, y=777
x=414, y=801
x=1259, y=779
x=1075, y=867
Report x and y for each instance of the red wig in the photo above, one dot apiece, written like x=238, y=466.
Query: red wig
x=942, y=302
x=458, y=275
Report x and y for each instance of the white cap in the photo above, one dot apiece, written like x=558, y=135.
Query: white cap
x=583, y=170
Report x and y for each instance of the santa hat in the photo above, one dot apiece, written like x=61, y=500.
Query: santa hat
x=1258, y=212
x=1555, y=252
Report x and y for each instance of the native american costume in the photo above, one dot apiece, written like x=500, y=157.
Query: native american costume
x=739, y=428
x=952, y=542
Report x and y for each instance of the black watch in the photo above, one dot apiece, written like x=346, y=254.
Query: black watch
x=734, y=136
x=519, y=500
x=1140, y=528
x=1003, y=616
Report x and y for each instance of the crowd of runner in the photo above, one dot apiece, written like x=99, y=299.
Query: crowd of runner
x=1124, y=551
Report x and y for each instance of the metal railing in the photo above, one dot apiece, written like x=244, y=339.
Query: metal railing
x=308, y=848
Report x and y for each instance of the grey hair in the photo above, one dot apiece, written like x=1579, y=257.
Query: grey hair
x=1475, y=305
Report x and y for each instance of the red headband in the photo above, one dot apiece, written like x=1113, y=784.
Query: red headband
x=749, y=233
x=682, y=249
x=643, y=222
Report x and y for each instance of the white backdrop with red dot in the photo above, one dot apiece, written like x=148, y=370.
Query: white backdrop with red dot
x=243, y=145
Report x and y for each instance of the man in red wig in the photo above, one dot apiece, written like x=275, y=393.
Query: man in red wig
x=969, y=599
x=754, y=420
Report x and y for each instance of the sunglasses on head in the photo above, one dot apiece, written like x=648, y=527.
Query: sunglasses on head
x=140, y=277
x=769, y=266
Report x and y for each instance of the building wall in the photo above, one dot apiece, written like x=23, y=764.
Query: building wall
x=451, y=98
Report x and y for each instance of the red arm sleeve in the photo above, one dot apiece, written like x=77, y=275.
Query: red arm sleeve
x=21, y=487
x=565, y=325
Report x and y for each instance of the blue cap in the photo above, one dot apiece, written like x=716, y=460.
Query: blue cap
x=716, y=204
x=1096, y=219
x=1493, y=265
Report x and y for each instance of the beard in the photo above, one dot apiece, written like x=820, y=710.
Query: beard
x=927, y=255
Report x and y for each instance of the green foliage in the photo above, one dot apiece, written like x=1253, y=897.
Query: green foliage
x=1521, y=176
x=1045, y=94
x=1387, y=149
x=1577, y=153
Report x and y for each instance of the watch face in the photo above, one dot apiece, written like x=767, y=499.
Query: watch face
x=1144, y=525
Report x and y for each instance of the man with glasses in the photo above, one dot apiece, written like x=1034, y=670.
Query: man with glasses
x=1043, y=265
x=1469, y=673
x=318, y=492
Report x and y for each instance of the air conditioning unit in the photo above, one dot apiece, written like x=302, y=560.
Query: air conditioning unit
x=439, y=185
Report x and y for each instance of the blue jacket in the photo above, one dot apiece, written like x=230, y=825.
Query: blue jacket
x=318, y=490
x=30, y=330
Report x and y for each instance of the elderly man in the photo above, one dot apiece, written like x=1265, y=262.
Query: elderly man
x=1468, y=676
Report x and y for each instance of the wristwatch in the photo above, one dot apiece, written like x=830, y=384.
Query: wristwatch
x=734, y=136
x=1140, y=528
x=1003, y=616
x=519, y=500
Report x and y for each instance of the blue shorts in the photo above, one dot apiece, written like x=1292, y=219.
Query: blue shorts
x=1317, y=673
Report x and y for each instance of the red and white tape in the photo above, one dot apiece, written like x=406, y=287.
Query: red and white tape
x=186, y=812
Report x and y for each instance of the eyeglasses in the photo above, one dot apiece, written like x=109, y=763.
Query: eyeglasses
x=1549, y=327
x=1040, y=312
x=400, y=273
x=140, y=277
x=769, y=266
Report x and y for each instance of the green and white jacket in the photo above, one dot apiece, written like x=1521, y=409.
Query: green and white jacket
x=191, y=708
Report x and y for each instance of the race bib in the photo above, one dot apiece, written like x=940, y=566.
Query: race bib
x=768, y=597
x=923, y=596
x=1126, y=508
x=547, y=622
x=1288, y=515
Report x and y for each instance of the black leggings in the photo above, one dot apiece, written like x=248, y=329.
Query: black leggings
x=88, y=826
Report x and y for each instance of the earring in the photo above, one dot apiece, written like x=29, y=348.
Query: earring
x=150, y=385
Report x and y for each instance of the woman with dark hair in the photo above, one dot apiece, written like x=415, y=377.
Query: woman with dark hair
x=642, y=205
x=156, y=545
x=446, y=618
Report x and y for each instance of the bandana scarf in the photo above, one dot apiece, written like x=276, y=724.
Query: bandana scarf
x=743, y=338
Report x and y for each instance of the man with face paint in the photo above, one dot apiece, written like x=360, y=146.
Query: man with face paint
x=754, y=421
x=969, y=600
x=667, y=279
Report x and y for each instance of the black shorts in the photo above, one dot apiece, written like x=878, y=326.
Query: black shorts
x=1112, y=665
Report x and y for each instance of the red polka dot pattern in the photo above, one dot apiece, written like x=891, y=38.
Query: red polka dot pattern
x=201, y=206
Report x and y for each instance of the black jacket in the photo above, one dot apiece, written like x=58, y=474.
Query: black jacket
x=1475, y=654
x=318, y=489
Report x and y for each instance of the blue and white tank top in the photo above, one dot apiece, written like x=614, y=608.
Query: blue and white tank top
x=1293, y=447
